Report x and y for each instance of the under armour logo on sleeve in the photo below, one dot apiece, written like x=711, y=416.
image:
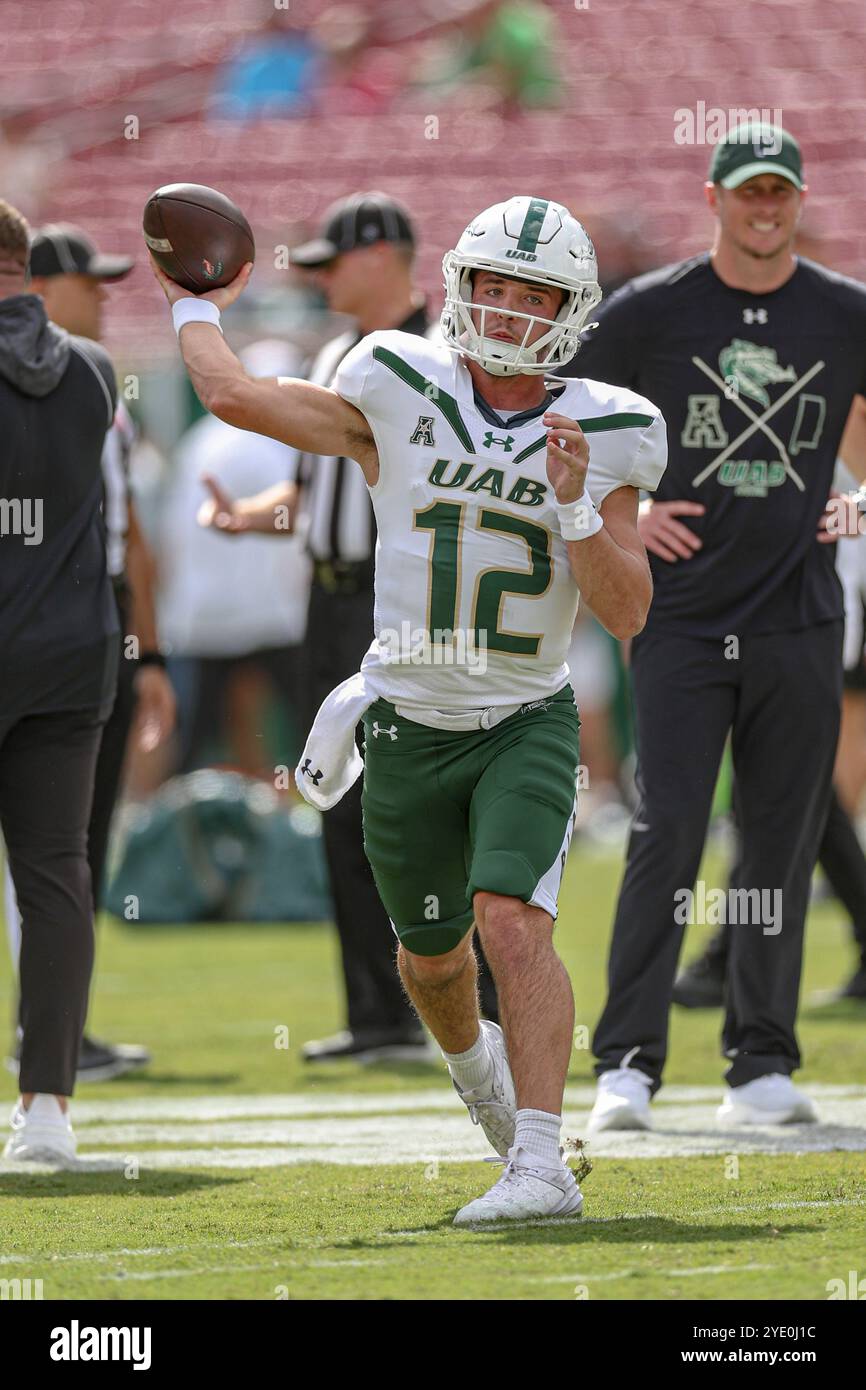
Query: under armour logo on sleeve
x=315, y=777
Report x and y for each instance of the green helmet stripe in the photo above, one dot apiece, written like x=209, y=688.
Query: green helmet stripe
x=532, y=223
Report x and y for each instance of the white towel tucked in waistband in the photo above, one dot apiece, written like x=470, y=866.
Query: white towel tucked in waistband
x=331, y=764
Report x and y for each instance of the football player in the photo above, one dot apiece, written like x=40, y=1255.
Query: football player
x=500, y=496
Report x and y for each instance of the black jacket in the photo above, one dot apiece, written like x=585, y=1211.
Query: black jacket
x=58, y=618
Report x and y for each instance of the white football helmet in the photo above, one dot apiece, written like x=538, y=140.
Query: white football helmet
x=528, y=239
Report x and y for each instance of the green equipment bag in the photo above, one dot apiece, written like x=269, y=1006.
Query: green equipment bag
x=218, y=846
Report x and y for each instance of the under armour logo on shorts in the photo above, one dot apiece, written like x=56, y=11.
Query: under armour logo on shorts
x=315, y=777
x=392, y=732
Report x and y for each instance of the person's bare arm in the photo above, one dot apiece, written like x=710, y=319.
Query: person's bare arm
x=663, y=535
x=270, y=513
x=311, y=418
x=852, y=450
x=156, y=707
x=141, y=570
x=610, y=568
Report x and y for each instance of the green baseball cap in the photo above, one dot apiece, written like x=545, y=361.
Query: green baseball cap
x=752, y=148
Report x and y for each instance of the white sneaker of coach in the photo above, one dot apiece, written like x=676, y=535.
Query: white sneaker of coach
x=526, y=1191
x=768, y=1100
x=622, y=1101
x=42, y=1134
x=493, y=1106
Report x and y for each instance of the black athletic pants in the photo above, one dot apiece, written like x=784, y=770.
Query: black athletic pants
x=47, y=767
x=779, y=699
x=339, y=631
x=204, y=723
x=841, y=856
x=106, y=784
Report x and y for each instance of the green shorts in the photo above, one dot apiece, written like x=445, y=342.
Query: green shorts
x=448, y=815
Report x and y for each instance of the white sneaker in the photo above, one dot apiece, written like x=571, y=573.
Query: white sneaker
x=493, y=1106
x=527, y=1190
x=622, y=1101
x=768, y=1100
x=42, y=1134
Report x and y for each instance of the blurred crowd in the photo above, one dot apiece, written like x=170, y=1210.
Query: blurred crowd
x=360, y=59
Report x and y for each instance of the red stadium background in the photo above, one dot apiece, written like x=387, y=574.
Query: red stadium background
x=101, y=103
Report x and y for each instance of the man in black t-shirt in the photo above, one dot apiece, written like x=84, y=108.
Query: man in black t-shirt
x=754, y=358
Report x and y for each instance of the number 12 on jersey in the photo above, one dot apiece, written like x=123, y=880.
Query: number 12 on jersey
x=446, y=521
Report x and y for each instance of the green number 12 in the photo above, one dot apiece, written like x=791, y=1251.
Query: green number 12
x=445, y=520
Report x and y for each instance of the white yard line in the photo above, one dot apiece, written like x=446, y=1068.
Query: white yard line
x=147, y=1275
x=414, y=1128
x=316, y=1103
x=648, y=1271
x=143, y=1252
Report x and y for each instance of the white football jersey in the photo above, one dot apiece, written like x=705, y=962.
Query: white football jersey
x=475, y=600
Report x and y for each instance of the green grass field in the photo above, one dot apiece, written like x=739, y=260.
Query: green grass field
x=202, y=1185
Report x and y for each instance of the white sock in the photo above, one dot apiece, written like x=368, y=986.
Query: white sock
x=472, y=1067
x=538, y=1133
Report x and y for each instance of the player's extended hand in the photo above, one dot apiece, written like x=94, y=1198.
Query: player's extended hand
x=220, y=511
x=222, y=298
x=663, y=535
x=567, y=456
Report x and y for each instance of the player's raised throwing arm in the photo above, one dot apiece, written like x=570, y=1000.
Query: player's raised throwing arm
x=308, y=417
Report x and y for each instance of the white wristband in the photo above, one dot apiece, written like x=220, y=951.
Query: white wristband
x=194, y=311
x=578, y=520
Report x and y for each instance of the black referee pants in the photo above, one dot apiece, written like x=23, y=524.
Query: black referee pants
x=339, y=631
x=47, y=767
x=779, y=699
x=841, y=856
x=109, y=765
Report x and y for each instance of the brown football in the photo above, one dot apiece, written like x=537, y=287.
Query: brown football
x=199, y=237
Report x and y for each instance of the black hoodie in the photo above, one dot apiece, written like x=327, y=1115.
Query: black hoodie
x=58, y=618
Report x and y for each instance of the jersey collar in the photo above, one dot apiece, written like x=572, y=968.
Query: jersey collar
x=522, y=417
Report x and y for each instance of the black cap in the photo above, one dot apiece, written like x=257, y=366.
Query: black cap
x=361, y=220
x=61, y=249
